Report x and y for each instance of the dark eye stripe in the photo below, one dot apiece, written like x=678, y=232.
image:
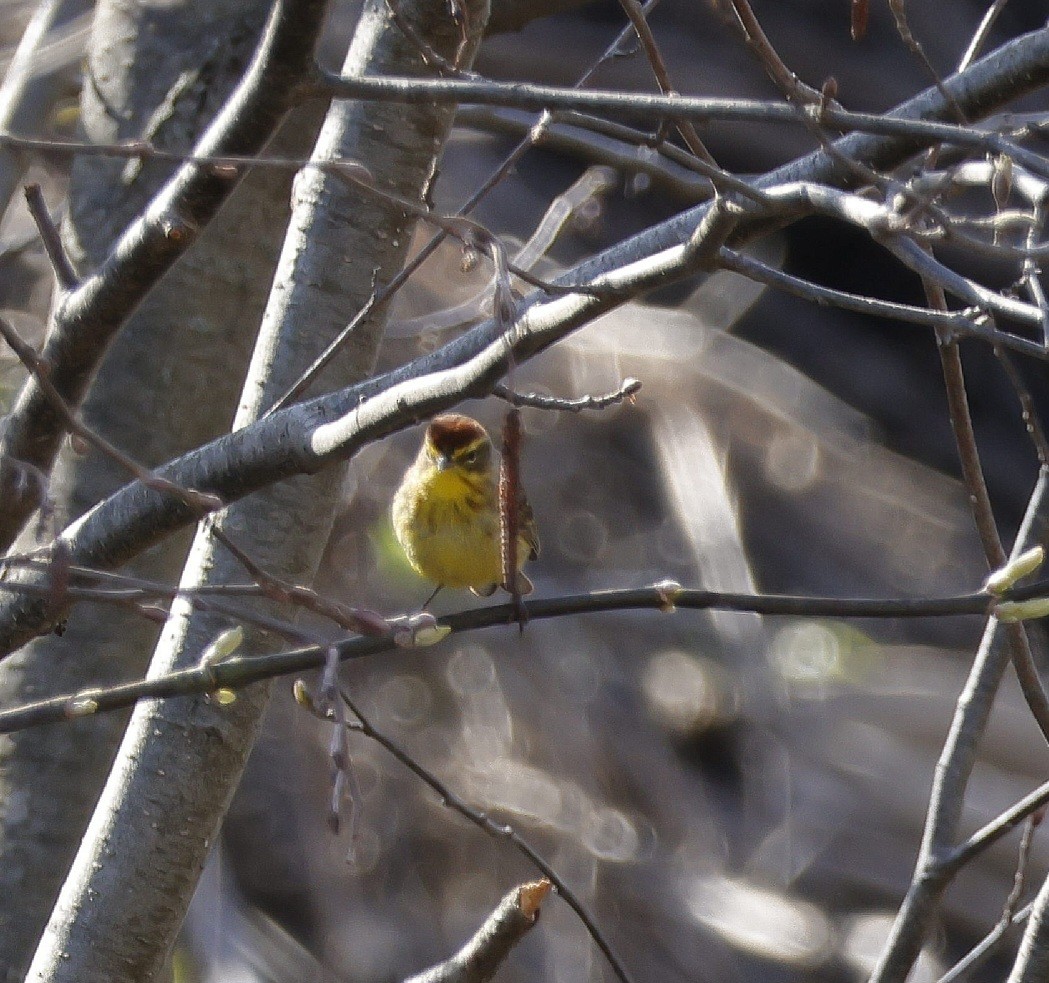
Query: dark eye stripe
x=476, y=457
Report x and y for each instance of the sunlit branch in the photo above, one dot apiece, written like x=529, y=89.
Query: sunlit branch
x=666, y=597
x=86, y=318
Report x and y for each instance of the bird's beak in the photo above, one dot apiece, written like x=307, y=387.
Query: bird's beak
x=444, y=462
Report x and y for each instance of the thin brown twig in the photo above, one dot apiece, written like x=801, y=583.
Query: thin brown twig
x=983, y=513
x=511, y=500
x=65, y=275
x=352, y=619
x=903, y=28
x=495, y=830
x=758, y=42
x=1029, y=413
x=858, y=17
x=203, y=502
x=595, y=141
x=1020, y=875
x=979, y=498
x=585, y=190
x=986, y=946
x=1010, y=910
x=104, y=587
x=692, y=140
x=142, y=600
x=798, y=93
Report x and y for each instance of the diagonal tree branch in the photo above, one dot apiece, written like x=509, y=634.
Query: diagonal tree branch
x=934, y=868
x=324, y=274
x=85, y=320
x=242, y=462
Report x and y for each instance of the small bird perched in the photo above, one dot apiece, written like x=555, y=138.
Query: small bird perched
x=446, y=511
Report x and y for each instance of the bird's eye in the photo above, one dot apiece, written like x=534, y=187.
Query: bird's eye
x=470, y=458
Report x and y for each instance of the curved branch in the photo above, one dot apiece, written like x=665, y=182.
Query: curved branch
x=86, y=319
x=304, y=438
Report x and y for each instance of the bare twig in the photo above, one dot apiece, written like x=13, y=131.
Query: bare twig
x=899, y=13
x=983, y=513
x=592, y=184
x=956, y=322
x=500, y=832
x=1010, y=914
x=41, y=372
x=627, y=391
x=1028, y=410
x=1000, y=826
x=352, y=619
x=49, y=236
x=87, y=318
x=665, y=597
x=986, y=946
x=688, y=132
x=479, y=959
x=1032, y=961
x=758, y=42
x=511, y=500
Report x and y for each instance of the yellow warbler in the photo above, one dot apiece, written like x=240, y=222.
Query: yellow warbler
x=446, y=511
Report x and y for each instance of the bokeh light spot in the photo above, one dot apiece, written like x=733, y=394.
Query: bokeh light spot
x=761, y=921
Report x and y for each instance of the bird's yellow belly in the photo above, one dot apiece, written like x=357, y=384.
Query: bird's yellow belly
x=464, y=555
x=453, y=545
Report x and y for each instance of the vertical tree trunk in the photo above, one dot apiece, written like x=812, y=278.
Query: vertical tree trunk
x=126, y=895
x=182, y=342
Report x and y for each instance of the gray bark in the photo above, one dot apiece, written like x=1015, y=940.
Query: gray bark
x=132, y=880
x=182, y=342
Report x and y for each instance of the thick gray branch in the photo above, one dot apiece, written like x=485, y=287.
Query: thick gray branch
x=56, y=777
x=85, y=320
x=283, y=445
x=336, y=242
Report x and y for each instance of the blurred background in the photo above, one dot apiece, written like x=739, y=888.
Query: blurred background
x=732, y=797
